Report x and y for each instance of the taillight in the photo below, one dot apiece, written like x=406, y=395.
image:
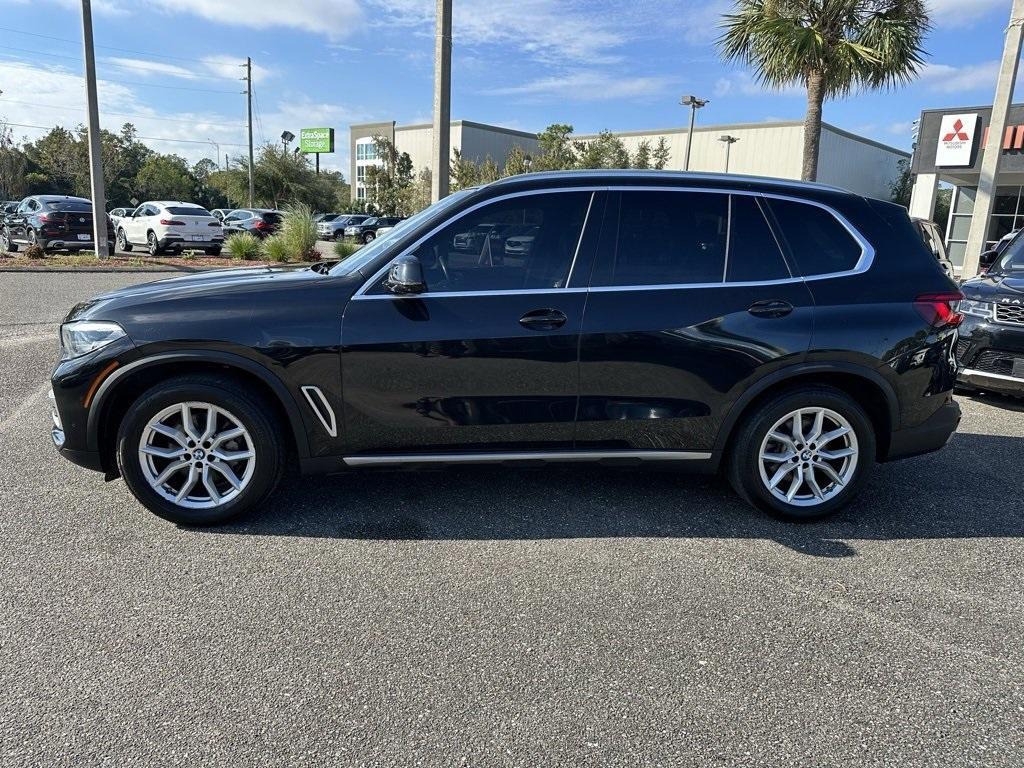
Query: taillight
x=43, y=217
x=261, y=224
x=940, y=310
x=172, y=223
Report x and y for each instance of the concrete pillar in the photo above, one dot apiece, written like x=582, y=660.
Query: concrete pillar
x=441, y=154
x=922, y=196
x=994, y=146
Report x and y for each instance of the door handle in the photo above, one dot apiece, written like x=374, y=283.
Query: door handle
x=543, y=319
x=770, y=308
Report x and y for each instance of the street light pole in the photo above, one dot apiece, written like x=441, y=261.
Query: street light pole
x=993, y=149
x=694, y=104
x=99, y=202
x=728, y=141
x=442, y=100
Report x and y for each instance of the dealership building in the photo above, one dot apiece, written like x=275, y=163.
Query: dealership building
x=949, y=149
x=847, y=160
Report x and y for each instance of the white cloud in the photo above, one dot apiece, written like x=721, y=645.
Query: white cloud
x=586, y=86
x=950, y=13
x=943, y=78
x=146, y=68
x=232, y=67
x=902, y=128
x=331, y=18
x=744, y=84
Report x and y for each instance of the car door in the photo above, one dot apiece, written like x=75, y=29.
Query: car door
x=485, y=359
x=134, y=226
x=691, y=302
x=17, y=224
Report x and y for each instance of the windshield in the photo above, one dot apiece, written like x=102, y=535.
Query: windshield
x=1012, y=258
x=369, y=253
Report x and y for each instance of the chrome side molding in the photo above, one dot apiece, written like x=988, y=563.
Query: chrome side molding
x=318, y=403
x=497, y=458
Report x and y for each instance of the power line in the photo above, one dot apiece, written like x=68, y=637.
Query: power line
x=106, y=47
x=193, y=121
x=147, y=138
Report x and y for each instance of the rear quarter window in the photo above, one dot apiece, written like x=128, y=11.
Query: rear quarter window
x=818, y=242
x=76, y=206
x=190, y=210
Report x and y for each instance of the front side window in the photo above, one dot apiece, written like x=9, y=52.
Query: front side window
x=818, y=242
x=530, y=244
x=668, y=238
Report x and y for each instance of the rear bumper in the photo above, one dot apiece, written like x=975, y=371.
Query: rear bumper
x=926, y=437
x=177, y=241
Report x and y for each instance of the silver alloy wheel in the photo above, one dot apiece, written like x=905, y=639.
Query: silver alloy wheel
x=808, y=456
x=197, y=455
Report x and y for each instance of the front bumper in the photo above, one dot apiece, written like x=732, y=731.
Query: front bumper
x=83, y=458
x=991, y=356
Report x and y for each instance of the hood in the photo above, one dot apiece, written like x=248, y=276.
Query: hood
x=995, y=287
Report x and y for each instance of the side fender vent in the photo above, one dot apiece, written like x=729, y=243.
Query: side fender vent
x=318, y=403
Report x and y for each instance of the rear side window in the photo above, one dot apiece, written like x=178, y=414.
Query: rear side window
x=76, y=206
x=191, y=210
x=668, y=238
x=820, y=245
x=754, y=254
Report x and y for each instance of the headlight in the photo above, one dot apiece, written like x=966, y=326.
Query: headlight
x=976, y=308
x=85, y=336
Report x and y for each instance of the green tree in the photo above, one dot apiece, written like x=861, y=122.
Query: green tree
x=606, y=151
x=556, y=148
x=389, y=185
x=642, y=158
x=660, y=154
x=165, y=177
x=13, y=166
x=830, y=47
x=462, y=173
x=517, y=162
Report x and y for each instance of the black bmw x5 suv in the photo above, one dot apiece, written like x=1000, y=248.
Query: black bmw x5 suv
x=792, y=335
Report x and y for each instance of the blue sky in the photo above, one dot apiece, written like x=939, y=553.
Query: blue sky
x=171, y=67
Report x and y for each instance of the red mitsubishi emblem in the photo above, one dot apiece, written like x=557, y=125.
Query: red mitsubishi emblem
x=958, y=132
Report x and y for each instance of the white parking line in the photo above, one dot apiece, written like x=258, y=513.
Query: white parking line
x=32, y=401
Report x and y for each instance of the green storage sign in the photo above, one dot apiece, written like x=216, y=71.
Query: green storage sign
x=313, y=140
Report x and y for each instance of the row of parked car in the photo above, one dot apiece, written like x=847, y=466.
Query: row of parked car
x=358, y=226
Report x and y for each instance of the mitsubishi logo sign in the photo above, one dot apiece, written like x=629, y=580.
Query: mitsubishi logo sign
x=956, y=140
x=957, y=134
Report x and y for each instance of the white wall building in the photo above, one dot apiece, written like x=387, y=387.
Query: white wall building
x=775, y=149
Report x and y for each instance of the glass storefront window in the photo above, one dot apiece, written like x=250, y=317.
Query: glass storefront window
x=956, y=253
x=961, y=227
x=999, y=226
x=1006, y=202
x=965, y=200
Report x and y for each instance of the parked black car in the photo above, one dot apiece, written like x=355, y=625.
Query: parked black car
x=789, y=334
x=262, y=222
x=8, y=207
x=365, y=231
x=991, y=346
x=335, y=228
x=53, y=222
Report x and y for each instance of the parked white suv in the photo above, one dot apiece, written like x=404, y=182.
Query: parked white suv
x=161, y=225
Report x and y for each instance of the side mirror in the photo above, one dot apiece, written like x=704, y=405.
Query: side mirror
x=406, y=276
x=988, y=258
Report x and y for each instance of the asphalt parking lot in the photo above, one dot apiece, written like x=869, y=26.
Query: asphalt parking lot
x=485, y=616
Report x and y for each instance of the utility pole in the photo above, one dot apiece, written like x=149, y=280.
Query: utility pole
x=99, y=195
x=728, y=141
x=442, y=100
x=694, y=104
x=248, y=106
x=994, y=146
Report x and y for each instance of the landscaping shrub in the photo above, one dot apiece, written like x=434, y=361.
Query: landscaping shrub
x=299, y=232
x=344, y=249
x=243, y=246
x=34, y=252
x=275, y=248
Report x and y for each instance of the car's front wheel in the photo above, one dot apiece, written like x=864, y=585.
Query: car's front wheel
x=804, y=454
x=6, y=246
x=368, y=237
x=199, y=450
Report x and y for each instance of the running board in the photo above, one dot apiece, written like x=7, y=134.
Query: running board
x=525, y=456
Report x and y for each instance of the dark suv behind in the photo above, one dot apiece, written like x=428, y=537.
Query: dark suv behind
x=53, y=222
x=366, y=230
x=261, y=222
x=790, y=335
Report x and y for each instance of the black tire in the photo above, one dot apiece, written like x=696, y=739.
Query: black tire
x=153, y=245
x=251, y=411
x=6, y=244
x=369, y=237
x=744, y=466
x=213, y=251
x=122, y=242
x=33, y=239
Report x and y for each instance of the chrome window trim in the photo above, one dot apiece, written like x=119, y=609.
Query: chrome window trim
x=863, y=264
x=361, y=293
x=326, y=416
x=489, y=458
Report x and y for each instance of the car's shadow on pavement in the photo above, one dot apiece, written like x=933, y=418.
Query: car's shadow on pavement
x=973, y=488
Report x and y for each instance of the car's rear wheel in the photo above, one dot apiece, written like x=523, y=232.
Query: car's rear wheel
x=804, y=454
x=368, y=237
x=122, y=242
x=153, y=244
x=198, y=450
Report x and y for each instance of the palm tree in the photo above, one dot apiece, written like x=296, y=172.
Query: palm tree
x=831, y=47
